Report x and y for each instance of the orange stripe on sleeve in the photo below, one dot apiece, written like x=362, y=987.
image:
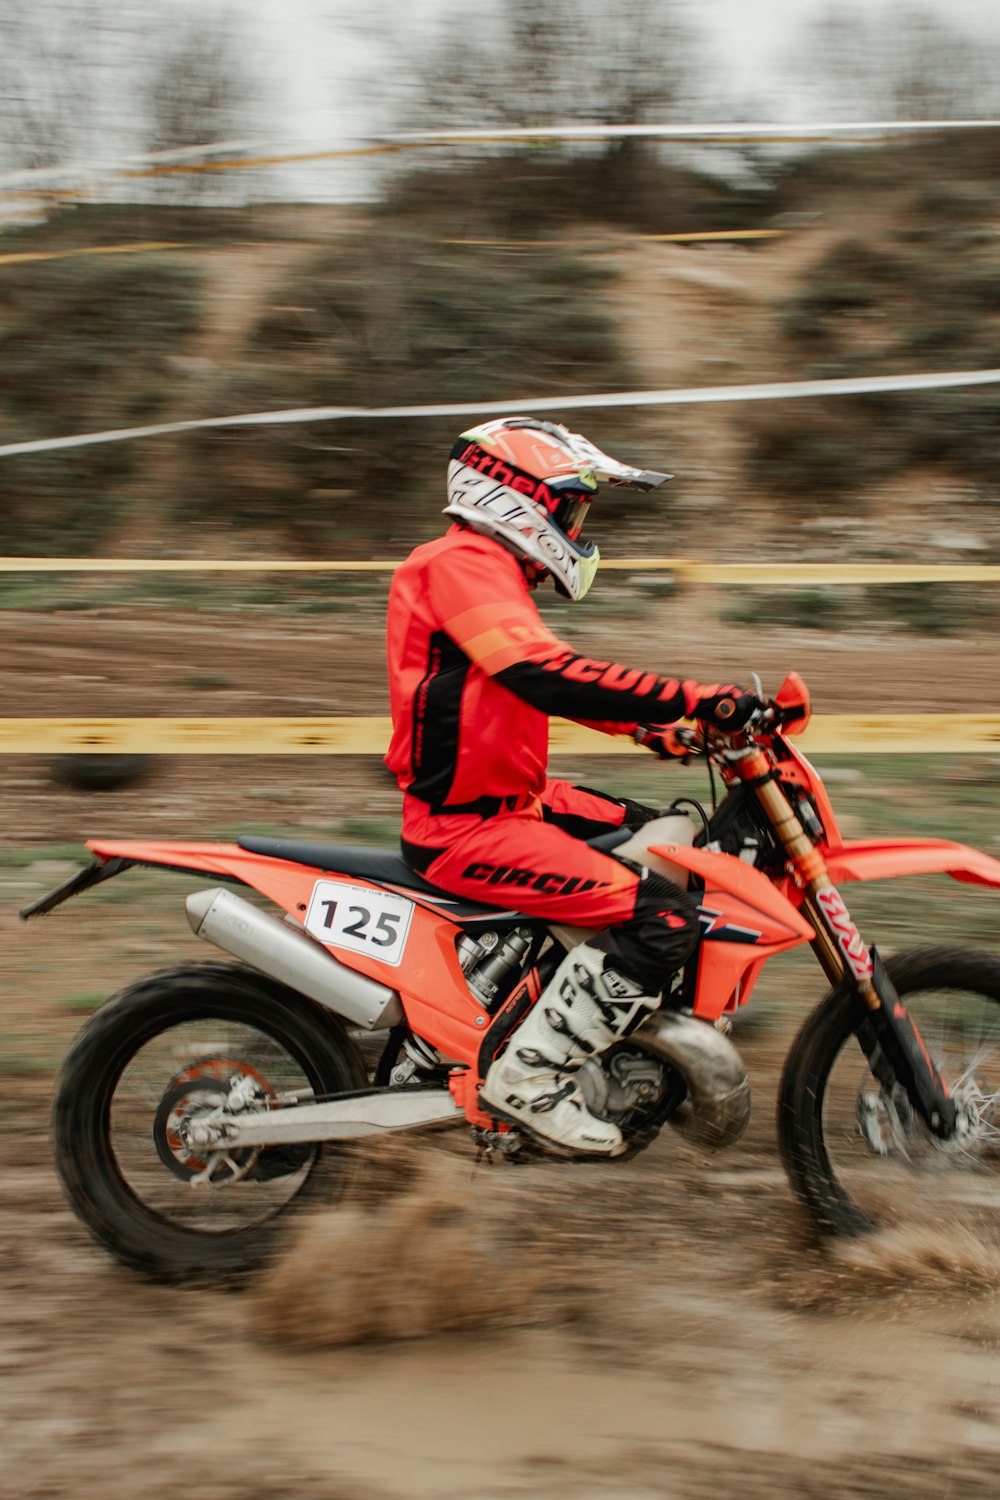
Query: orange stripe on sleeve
x=495, y=643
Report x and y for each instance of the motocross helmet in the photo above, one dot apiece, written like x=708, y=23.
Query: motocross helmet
x=529, y=484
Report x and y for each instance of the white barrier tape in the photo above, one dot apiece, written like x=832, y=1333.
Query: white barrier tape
x=694, y=396
x=740, y=132
x=772, y=575
x=188, y=158
x=847, y=734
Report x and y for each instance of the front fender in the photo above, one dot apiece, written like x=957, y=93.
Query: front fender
x=878, y=859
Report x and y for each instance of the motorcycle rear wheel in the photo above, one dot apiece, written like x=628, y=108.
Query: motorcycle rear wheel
x=857, y=1159
x=173, y=1042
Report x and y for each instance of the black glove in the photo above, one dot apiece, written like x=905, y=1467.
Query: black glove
x=726, y=707
x=668, y=741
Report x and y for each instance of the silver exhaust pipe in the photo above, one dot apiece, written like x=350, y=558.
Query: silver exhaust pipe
x=717, y=1109
x=288, y=954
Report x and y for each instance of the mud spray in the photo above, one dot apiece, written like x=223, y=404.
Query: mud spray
x=954, y=1261
x=427, y=1244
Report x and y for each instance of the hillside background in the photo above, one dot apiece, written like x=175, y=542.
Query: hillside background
x=529, y=275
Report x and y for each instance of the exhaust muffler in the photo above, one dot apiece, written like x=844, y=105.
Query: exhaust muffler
x=288, y=954
x=717, y=1109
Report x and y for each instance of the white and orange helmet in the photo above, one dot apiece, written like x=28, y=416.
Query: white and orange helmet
x=529, y=485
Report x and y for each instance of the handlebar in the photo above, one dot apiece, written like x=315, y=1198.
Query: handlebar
x=788, y=710
x=767, y=718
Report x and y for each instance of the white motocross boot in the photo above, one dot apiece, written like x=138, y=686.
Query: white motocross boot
x=585, y=1007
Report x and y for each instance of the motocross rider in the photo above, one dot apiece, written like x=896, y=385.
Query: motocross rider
x=474, y=675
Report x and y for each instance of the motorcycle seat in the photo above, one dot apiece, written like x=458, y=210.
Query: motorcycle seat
x=386, y=868
x=366, y=863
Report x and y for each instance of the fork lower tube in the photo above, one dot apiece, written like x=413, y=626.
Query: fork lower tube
x=896, y=1052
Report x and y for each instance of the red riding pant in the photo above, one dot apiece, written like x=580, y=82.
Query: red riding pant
x=532, y=857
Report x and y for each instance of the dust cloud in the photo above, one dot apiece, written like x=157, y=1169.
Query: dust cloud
x=430, y=1244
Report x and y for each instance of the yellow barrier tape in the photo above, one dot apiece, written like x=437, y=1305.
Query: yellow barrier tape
x=229, y=164
x=19, y=257
x=258, y=161
x=720, y=234
x=854, y=734
x=787, y=574
x=772, y=575
x=185, y=565
x=707, y=234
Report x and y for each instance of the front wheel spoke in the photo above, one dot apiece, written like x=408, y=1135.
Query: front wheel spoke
x=974, y=1066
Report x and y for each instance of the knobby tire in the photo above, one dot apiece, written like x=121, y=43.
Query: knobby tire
x=97, y=1189
x=815, y=1052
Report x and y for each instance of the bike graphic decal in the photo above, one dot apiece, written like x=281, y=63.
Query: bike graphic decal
x=360, y=919
x=715, y=928
x=849, y=939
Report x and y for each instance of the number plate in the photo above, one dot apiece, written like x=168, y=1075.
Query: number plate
x=360, y=919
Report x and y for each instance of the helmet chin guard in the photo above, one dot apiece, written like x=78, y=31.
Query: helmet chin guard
x=528, y=484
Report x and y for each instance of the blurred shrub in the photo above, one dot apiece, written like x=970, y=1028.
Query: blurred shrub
x=956, y=430
x=76, y=225
x=80, y=348
x=397, y=319
x=923, y=608
x=852, y=278
x=926, y=608
x=804, y=609
x=948, y=171
x=923, y=295
x=815, y=460
x=521, y=195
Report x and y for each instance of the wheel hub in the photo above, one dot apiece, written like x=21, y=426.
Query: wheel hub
x=976, y=1125
x=189, y=1125
x=887, y=1123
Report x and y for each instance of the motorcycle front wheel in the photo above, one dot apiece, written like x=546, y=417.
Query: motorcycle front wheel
x=856, y=1154
x=145, y=1066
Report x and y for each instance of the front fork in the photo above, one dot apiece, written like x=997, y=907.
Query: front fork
x=896, y=1052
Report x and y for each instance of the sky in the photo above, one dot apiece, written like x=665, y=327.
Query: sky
x=319, y=60
x=751, y=35
x=314, y=50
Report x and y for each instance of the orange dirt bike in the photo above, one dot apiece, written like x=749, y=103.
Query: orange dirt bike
x=195, y=1108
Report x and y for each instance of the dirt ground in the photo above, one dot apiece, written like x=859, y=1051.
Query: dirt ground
x=684, y=1336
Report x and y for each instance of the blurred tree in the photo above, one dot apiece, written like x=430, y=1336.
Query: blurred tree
x=543, y=62
x=95, y=80
x=200, y=87
x=906, y=63
x=47, y=80
x=525, y=63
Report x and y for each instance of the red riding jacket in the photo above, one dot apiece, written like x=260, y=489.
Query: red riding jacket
x=475, y=674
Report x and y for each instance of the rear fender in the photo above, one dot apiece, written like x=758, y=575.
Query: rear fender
x=437, y=1000
x=880, y=859
x=744, y=920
